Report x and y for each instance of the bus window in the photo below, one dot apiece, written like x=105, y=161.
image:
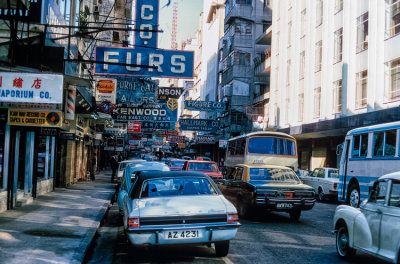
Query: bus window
x=364, y=145
x=356, y=146
x=231, y=147
x=274, y=146
x=240, y=146
x=390, y=143
x=378, y=143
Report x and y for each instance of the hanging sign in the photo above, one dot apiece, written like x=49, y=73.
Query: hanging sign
x=134, y=127
x=176, y=139
x=152, y=112
x=28, y=11
x=165, y=93
x=134, y=91
x=205, y=125
x=34, y=118
x=105, y=90
x=146, y=19
x=167, y=63
x=206, y=139
x=31, y=88
x=206, y=106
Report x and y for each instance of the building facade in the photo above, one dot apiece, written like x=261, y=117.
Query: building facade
x=333, y=68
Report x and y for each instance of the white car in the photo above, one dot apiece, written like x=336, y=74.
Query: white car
x=324, y=181
x=374, y=228
x=129, y=174
x=123, y=165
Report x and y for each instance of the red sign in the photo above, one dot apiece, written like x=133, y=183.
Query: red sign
x=134, y=127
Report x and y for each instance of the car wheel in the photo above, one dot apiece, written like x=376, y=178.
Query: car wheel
x=295, y=215
x=221, y=248
x=321, y=195
x=354, y=196
x=342, y=244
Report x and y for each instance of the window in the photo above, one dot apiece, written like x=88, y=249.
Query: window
x=289, y=34
x=337, y=96
x=360, y=146
x=361, y=89
x=392, y=78
x=378, y=194
x=303, y=23
x=287, y=110
x=302, y=64
x=272, y=146
x=301, y=107
x=317, y=102
x=385, y=143
x=239, y=174
x=319, y=16
x=338, y=5
x=362, y=32
x=288, y=72
x=392, y=18
x=318, y=56
x=394, y=197
x=338, y=38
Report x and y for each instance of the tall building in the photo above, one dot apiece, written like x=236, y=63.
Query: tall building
x=328, y=76
x=245, y=21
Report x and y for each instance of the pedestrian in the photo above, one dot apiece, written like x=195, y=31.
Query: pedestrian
x=221, y=165
x=114, y=167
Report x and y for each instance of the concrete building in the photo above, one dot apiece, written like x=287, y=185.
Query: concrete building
x=245, y=22
x=334, y=67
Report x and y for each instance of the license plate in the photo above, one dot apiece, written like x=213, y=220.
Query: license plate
x=284, y=205
x=182, y=234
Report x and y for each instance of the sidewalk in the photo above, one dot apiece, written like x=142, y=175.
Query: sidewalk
x=57, y=227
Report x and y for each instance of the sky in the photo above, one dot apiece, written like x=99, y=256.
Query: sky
x=188, y=21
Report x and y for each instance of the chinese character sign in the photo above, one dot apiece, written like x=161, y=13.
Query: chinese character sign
x=31, y=88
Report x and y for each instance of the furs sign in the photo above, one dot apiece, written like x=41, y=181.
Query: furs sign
x=167, y=63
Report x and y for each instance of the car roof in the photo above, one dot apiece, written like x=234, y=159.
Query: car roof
x=168, y=174
x=391, y=176
x=201, y=161
x=132, y=161
x=255, y=165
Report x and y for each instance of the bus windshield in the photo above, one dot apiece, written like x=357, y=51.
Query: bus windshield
x=273, y=174
x=272, y=145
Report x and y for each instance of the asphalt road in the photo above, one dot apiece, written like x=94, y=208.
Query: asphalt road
x=267, y=239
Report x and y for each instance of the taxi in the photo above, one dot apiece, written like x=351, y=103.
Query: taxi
x=210, y=168
x=264, y=188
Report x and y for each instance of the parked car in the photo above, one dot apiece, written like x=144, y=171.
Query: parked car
x=186, y=157
x=162, y=211
x=374, y=228
x=203, y=158
x=264, y=188
x=209, y=168
x=129, y=176
x=324, y=181
x=122, y=165
x=176, y=164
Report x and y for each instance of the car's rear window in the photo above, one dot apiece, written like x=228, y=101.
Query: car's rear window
x=177, y=163
x=202, y=166
x=333, y=173
x=273, y=174
x=177, y=187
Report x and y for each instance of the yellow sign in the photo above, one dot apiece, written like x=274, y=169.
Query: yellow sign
x=34, y=118
x=172, y=104
x=105, y=86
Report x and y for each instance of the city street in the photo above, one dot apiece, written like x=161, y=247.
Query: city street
x=273, y=239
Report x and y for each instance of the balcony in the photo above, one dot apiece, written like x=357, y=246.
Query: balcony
x=239, y=11
x=236, y=71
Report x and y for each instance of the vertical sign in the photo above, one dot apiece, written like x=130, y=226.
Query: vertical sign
x=70, y=103
x=146, y=19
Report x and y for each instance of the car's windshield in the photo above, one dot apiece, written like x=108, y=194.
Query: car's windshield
x=273, y=174
x=333, y=173
x=177, y=187
x=202, y=166
x=177, y=163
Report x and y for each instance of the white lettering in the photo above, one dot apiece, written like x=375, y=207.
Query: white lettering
x=143, y=12
x=129, y=61
x=180, y=65
x=144, y=33
x=107, y=55
x=156, y=60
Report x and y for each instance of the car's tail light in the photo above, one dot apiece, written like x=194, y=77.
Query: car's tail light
x=133, y=222
x=232, y=218
x=335, y=186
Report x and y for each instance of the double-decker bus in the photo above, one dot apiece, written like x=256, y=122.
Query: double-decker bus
x=267, y=147
x=366, y=154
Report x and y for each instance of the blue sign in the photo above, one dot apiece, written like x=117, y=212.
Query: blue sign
x=146, y=19
x=133, y=91
x=205, y=125
x=152, y=112
x=205, y=106
x=163, y=63
x=158, y=125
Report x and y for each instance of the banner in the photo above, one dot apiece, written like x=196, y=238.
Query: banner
x=134, y=127
x=176, y=139
x=159, y=63
x=133, y=91
x=151, y=112
x=206, y=106
x=206, y=139
x=31, y=88
x=205, y=125
x=165, y=93
x=146, y=19
x=106, y=90
x=34, y=118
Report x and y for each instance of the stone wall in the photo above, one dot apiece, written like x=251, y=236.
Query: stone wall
x=44, y=186
x=3, y=200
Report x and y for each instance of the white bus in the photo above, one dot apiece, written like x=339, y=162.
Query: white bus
x=271, y=148
x=367, y=153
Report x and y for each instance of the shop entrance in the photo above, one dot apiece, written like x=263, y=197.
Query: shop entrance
x=21, y=166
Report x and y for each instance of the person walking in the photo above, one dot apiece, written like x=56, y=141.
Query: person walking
x=221, y=165
x=114, y=166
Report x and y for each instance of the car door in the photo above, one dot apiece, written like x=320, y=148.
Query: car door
x=372, y=211
x=390, y=226
x=321, y=181
x=312, y=179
